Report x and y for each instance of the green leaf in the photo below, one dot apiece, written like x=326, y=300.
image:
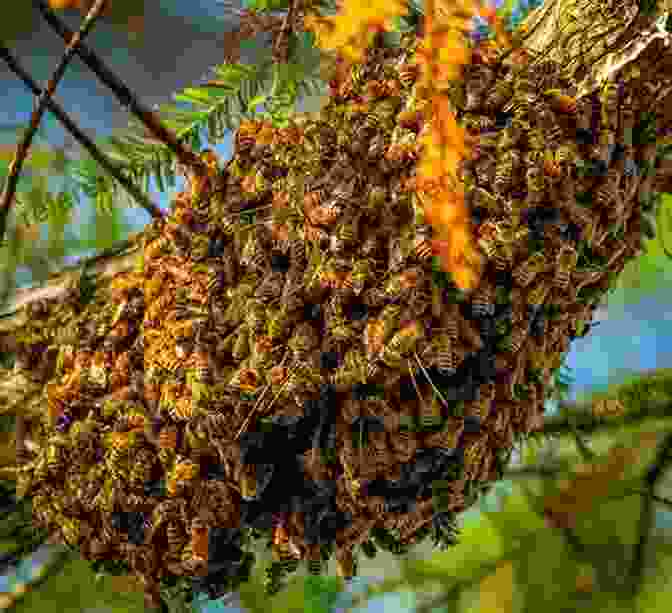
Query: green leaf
x=255, y=102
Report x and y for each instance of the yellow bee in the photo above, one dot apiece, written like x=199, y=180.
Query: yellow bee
x=199, y=539
x=168, y=436
x=352, y=370
x=561, y=103
x=537, y=295
x=157, y=247
x=402, y=343
x=378, y=330
x=526, y=271
x=345, y=562
x=444, y=355
x=566, y=261
x=609, y=97
x=509, y=163
x=254, y=255
x=499, y=94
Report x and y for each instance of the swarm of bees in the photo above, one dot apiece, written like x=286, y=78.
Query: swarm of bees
x=309, y=374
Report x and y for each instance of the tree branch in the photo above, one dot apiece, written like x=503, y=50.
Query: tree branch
x=82, y=138
x=150, y=119
x=24, y=144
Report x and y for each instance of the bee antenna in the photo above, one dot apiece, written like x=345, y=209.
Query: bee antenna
x=429, y=379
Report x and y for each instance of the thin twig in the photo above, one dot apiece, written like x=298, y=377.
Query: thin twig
x=285, y=31
x=80, y=137
x=655, y=472
x=149, y=118
x=24, y=144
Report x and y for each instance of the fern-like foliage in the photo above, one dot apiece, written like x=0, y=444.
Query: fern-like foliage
x=203, y=113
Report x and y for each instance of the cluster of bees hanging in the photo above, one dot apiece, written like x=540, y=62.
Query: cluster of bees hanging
x=289, y=363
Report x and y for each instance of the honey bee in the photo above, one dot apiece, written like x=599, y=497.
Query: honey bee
x=175, y=536
x=141, y=468
x=201, y=364
x=117, y=445
x=199, y=539
x=470, y=334
x=416, y=519
x=561, y=103
x=378, y=330
x=537, y=295
x=481, y=198
x=279, y=324
x=566, y=154
x=609, y=98
x=444, y=355
x=566, y=261
x=379, y=118
x=500, y=93
x=517, y=338
x=526, y=271
x=352, y=370
x=483, y=301
x=508, y=165
x=157, y=247
x=608, y=194
x=284, y=548
x=182, y=410
x=534, y=177
x=241, y=346
x=553, y=129
x=168, y=438
x=345, y=562
x=407, y=73
x=402, y=343
x=254, y=255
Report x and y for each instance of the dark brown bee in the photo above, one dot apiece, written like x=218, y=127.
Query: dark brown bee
x=175, y=536
x=499, y=94
x=525, y=272
x=483, y=300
